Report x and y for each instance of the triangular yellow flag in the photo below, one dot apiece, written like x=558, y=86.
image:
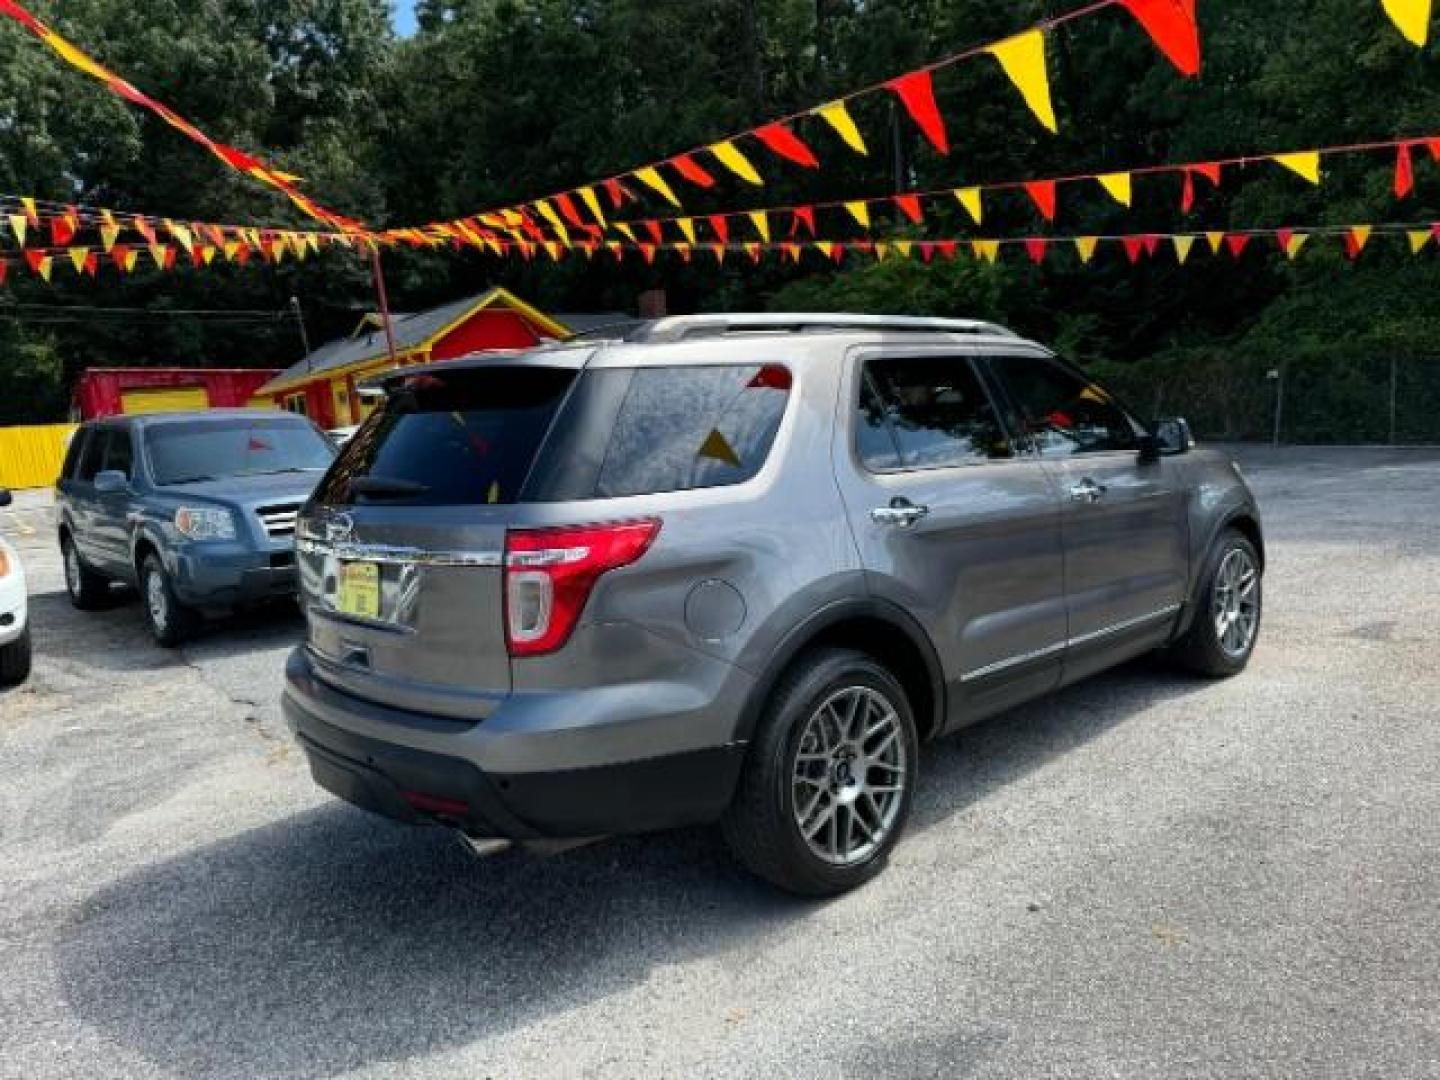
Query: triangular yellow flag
x=1360, y=234
x=970, y=199
x=624, y=229
x=18, y=225
x=592, y=202
x=729, y=156
x=130, y=258
x=1305, y=164
x=686, y=226
x=181, y=234
x=231, y=247
x=826, y=248
x=78, y=255
x=1294, y=243
x=761, y=223
x=1418, y=239
x=31, y=211
x=1118, y=186
x=1023, y=58
x=1085, y=245
x=882, y=250
x=1412, y=17
x=989, y=250
x=43, y=267
x=548, y=212
x=651, y=178
x=109, y=233
x=716, y=447
x=1215, y=240
x=207, y=254
x=860, y=211
x=904, y=247
x=1183, y=244
x=838, y=117
x=157, y=252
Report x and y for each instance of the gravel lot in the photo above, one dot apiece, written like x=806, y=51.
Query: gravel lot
x=1143, y=876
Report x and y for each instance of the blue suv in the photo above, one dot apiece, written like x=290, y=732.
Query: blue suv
x=196, y=510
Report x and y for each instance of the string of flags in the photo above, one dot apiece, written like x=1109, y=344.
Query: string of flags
x=1136, y=248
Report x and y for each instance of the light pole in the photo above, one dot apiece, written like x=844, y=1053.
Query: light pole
x=1277, y=376
x=300, y=322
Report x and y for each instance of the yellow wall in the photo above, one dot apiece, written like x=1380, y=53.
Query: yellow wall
x=166, y=399
x=31, y=457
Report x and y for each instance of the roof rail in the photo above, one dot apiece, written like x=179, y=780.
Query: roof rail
x=686, y=327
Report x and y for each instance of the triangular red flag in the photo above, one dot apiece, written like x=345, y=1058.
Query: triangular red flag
x=1152, y=243
x=692, y=170
x=35, y=258
x=910, y=206
x=917, y=92
x=781, y=140
x=1035, y=248
x=802, y=215
x=1283, y=238
x=92, y=264
x=653, y=228
x=616, y=191
x=570, y=211
x=1237, y=243
x=1042, y=193
x=4, y=270
x=721, y=226
x=947, y=248
x=838, y=252
x=1210, y=170
x=1172, y=26
x=1134, y=248
x=62, y=230
x=1404, y=172
x=648, y=250
x=1187, y=192
x=1433, y=145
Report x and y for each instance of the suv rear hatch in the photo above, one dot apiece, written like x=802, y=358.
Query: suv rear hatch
x=401, y=550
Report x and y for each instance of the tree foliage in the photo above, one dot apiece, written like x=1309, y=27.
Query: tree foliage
x=497, y=100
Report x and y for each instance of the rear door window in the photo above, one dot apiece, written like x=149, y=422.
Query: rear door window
x=457, y=438
x=926, y=413
x=92, y=458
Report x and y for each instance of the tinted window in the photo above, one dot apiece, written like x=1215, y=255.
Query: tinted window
x=184, y=452
x=926, y=413
x=1061, y=413
x=92, y=457
x=74, y=452
x=693, y=427
x=452, y=439
x=120, y=456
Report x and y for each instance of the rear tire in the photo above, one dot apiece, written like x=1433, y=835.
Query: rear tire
x=171, y=622
x=88, y=590
x=15, y=660
x=830, y=776
x=1228, y=606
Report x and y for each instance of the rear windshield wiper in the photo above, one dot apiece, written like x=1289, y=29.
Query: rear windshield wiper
x=380, y=487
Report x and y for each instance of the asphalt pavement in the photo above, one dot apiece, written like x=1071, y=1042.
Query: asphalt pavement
x=1145, y=875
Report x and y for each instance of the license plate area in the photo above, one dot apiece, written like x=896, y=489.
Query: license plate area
x=357, y=591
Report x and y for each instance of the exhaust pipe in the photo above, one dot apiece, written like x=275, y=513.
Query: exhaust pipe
x=482, y=847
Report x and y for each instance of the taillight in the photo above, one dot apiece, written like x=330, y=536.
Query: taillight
x=549, y=574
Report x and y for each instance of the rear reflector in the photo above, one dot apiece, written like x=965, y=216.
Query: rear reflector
x=549, y=574
x=433, y=804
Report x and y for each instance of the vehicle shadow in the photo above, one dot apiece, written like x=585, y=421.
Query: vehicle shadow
x=333, y=940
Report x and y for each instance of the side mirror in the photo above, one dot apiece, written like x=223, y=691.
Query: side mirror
x=5, y=497
x=1174, y=435
x=110, y=481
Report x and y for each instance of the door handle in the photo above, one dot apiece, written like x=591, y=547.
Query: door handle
x=1087, y=491
x=901, y=513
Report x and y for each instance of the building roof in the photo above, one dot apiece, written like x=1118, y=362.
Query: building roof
x=412, y=332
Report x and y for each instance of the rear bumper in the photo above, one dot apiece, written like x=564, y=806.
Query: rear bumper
x=423, y=786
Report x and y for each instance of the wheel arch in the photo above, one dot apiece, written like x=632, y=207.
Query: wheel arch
x=875, y=627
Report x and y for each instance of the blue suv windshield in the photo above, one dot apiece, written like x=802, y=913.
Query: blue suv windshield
x=182, y=453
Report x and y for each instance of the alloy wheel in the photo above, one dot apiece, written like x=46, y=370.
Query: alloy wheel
x=157, y=602
x=1236, y=603
x=849, y=776
x=72, y=569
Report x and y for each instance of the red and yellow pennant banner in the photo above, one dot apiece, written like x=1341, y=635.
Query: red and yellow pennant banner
x=1135, y=248
x=234, y=158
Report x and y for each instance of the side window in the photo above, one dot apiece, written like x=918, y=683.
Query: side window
x=121, y=456
x=926, y=413
x=74, y=452
x=1059, y=412
x=693, y=427
x=92, y=459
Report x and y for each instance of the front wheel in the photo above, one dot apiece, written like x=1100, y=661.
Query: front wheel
x=15, y=660
x=1226, y=623
x=828, y=785
x=171, y=622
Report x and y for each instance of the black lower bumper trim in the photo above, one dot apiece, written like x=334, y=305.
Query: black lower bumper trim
x=630, y=797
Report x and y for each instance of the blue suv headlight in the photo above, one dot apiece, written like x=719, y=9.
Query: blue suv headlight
x=205, y=523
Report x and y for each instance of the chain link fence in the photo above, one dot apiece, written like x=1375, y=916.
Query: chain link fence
x=1318, y=399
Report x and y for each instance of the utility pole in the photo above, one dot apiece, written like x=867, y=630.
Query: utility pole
x=304, y=337
x=1277, y=376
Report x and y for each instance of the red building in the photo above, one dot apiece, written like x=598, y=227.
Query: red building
x=323, y=385
x=110, y=391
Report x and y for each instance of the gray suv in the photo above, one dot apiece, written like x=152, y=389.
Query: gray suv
x=195, y=509
x=738, y=569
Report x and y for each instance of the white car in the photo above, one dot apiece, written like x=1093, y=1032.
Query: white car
x=14, y=623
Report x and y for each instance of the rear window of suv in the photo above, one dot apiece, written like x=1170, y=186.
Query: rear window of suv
x=511, y=434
